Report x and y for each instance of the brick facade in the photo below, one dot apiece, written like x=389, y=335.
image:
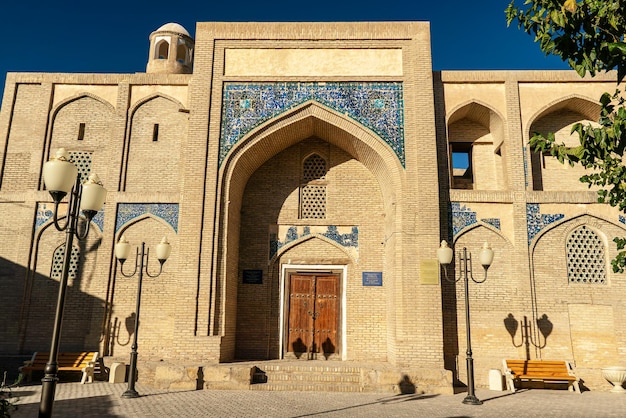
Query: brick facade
x=214, y=161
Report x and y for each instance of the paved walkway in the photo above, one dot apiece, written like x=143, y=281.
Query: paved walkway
x=102, y=399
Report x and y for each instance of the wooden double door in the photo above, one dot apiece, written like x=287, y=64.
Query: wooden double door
x=313, y=315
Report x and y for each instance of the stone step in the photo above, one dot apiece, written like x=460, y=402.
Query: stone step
x=321, y=378
x=307, y=378
x=307, y=387
x=313, y=369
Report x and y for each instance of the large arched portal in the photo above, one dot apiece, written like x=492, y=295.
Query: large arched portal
x=309, y=204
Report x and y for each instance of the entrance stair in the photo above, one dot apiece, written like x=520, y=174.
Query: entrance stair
x=308, y=376
x=294, y=375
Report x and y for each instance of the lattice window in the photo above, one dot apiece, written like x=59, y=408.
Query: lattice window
x=57, y=263
x=586, y=262
x=313, y=168
x=313, y=202
x=312, y=193
x=82, y=160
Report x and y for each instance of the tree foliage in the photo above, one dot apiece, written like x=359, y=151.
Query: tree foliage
x=589, y=35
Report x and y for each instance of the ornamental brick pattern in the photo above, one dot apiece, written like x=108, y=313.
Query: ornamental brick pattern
x=214, y=161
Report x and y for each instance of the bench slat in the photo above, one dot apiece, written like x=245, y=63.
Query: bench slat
x=79, y=361
x=539, y=370
x=546, y=376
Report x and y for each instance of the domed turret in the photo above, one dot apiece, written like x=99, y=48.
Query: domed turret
x=171, y=50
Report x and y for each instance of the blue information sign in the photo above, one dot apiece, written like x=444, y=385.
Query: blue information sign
x=372, y=278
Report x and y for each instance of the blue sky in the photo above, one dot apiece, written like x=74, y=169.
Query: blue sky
x=112, y=36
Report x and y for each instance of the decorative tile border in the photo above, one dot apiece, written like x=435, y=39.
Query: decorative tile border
x=129, y=211
x=346, y=236
x=495, y=222
x=462, y=217
x=99, y=219
x=378, y=106
x=45, y=213
x=537, y=221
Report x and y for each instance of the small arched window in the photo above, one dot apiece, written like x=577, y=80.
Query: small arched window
x=181, y=53
x=162, y=49
x=586, y=260
x=462, y=171
x=313, y=188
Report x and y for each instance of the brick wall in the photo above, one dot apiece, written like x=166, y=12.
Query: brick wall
x=199, y=309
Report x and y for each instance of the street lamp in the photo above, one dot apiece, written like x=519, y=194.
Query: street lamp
x=122, y=251
x=444, y=254
x=61, y=177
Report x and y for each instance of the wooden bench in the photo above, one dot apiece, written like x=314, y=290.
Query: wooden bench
x=83, y=361
x=539, y=371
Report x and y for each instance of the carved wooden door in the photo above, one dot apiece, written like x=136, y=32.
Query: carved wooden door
x=313, y=314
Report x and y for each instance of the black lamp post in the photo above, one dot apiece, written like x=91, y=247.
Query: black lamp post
x=444, y=254
x=122, y=251
x=61, y=177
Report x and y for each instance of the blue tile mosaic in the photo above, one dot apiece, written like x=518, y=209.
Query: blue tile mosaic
x=99, y=219
x=45, y=212
x=378, y=106
x=293, y=233
x=129, y=211
x=462, y=217
x=495, y=222
x=537, y=221
x=622, y=219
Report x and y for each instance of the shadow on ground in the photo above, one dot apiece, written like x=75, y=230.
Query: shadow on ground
x=99, y=406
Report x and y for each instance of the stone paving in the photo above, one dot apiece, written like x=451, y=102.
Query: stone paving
x=102, y=399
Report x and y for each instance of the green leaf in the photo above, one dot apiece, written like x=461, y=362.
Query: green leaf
x=617, y=48
x=589, y=36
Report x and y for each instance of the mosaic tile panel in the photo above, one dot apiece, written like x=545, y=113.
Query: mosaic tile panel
x=45, y=211
x=99, y=219
x=378, y=106
x=346, y=236
x=537, y=221
x=129, y=211
x=622, y=219
x=495, y=222
x=462, y=217
x=45, y=214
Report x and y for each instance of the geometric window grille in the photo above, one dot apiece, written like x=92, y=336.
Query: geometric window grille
x=82, y=161
x=57, y=262
x=585, y=257
x=313, y=194
x=313, y=202
x=313, y=168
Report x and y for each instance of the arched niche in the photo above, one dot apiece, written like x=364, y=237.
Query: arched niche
x=85, y=290
x=476, y=144
x=151, y=158
x=548, y=174
x=309, y=129
x=82, y=125
x=158, y=307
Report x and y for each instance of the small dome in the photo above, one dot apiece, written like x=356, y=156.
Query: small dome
x=173, y=27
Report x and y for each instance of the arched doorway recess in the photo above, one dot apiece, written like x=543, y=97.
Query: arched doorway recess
x=280, y=146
